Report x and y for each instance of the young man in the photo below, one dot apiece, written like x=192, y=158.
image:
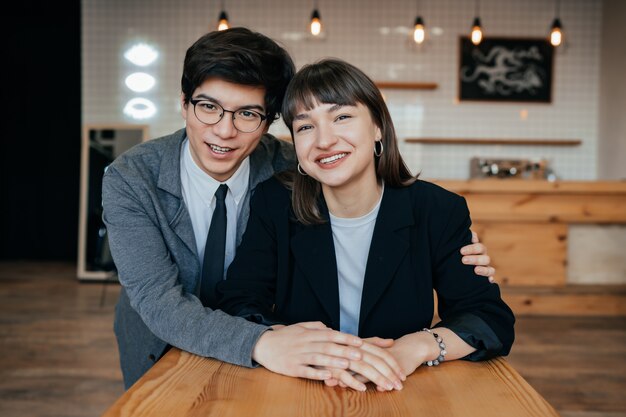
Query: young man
x=160, y=200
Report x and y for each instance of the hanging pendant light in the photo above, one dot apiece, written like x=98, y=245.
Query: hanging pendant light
x=556, y=35
x=477, y=31
x=222, y=20
x=316, y=21
x=419, y=32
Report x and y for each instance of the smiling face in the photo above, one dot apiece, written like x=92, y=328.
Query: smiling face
x=335, y=144
x=219, y=149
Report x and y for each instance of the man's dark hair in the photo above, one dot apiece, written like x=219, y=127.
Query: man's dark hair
x=240, y=56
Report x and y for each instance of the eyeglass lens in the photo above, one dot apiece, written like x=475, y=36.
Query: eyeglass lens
x=211, y=113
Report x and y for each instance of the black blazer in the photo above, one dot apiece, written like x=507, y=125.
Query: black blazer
x=286, y=272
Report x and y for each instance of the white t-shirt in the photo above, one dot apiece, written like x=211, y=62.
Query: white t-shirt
x=352, y=238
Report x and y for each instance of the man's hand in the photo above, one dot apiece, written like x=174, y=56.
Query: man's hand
x=476, y=254
x=297, y=349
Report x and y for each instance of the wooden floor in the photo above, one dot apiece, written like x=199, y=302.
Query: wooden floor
x=58, y=355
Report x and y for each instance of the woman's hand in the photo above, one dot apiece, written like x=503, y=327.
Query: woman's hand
x=409, y=351
x=414, y=349
x=376, y=341
x=376, y=365
x=298, y=350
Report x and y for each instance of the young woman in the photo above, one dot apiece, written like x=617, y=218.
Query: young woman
x=355, y=241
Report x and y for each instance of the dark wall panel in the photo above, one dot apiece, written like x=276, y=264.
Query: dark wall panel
x=40, y=133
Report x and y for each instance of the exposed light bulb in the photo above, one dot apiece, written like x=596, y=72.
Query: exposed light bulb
x=222, y=23
x=419, y=34
x=477, y=32
x=316, y=23
x=556, y=36
x=316, y=27
x=477, y=35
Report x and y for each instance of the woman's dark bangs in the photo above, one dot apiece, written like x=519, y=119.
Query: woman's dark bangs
x=331, y=87
x=320, y=87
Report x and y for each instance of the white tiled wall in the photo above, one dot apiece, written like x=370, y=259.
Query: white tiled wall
x=374, y=36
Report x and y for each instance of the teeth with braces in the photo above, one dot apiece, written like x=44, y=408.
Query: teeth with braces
x=220, y=149
x=332, y=158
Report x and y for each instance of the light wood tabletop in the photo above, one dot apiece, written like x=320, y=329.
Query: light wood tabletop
x=185, y=385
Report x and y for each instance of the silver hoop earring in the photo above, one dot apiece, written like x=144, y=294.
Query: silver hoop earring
x=377, y=152
x=301, y=171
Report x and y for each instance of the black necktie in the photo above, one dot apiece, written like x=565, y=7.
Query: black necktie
x=213, y=266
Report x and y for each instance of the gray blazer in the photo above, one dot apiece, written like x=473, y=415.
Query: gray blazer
x=153, y=246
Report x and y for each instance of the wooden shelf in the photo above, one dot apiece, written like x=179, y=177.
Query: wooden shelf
x=406, y=86
x=512, y=185
x=527, y=201
x=464, y=141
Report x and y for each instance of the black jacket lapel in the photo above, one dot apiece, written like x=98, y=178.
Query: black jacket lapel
x=313, y=250
x=390, y=244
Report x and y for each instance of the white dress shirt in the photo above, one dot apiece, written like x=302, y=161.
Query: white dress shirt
x=199, y=195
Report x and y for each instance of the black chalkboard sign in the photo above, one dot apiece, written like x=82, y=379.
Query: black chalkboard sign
x=506, y=69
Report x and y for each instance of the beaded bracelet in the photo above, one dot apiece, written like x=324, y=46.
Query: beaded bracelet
x=442, y=348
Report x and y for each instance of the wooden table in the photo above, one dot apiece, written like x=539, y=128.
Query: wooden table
x=184, y=385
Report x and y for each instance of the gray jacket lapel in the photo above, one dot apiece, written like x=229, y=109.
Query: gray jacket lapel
x=171, y=197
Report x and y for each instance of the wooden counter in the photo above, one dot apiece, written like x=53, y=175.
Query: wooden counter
x=184, y=385
x=524, y=223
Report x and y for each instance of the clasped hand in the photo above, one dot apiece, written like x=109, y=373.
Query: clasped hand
x=311, y=350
